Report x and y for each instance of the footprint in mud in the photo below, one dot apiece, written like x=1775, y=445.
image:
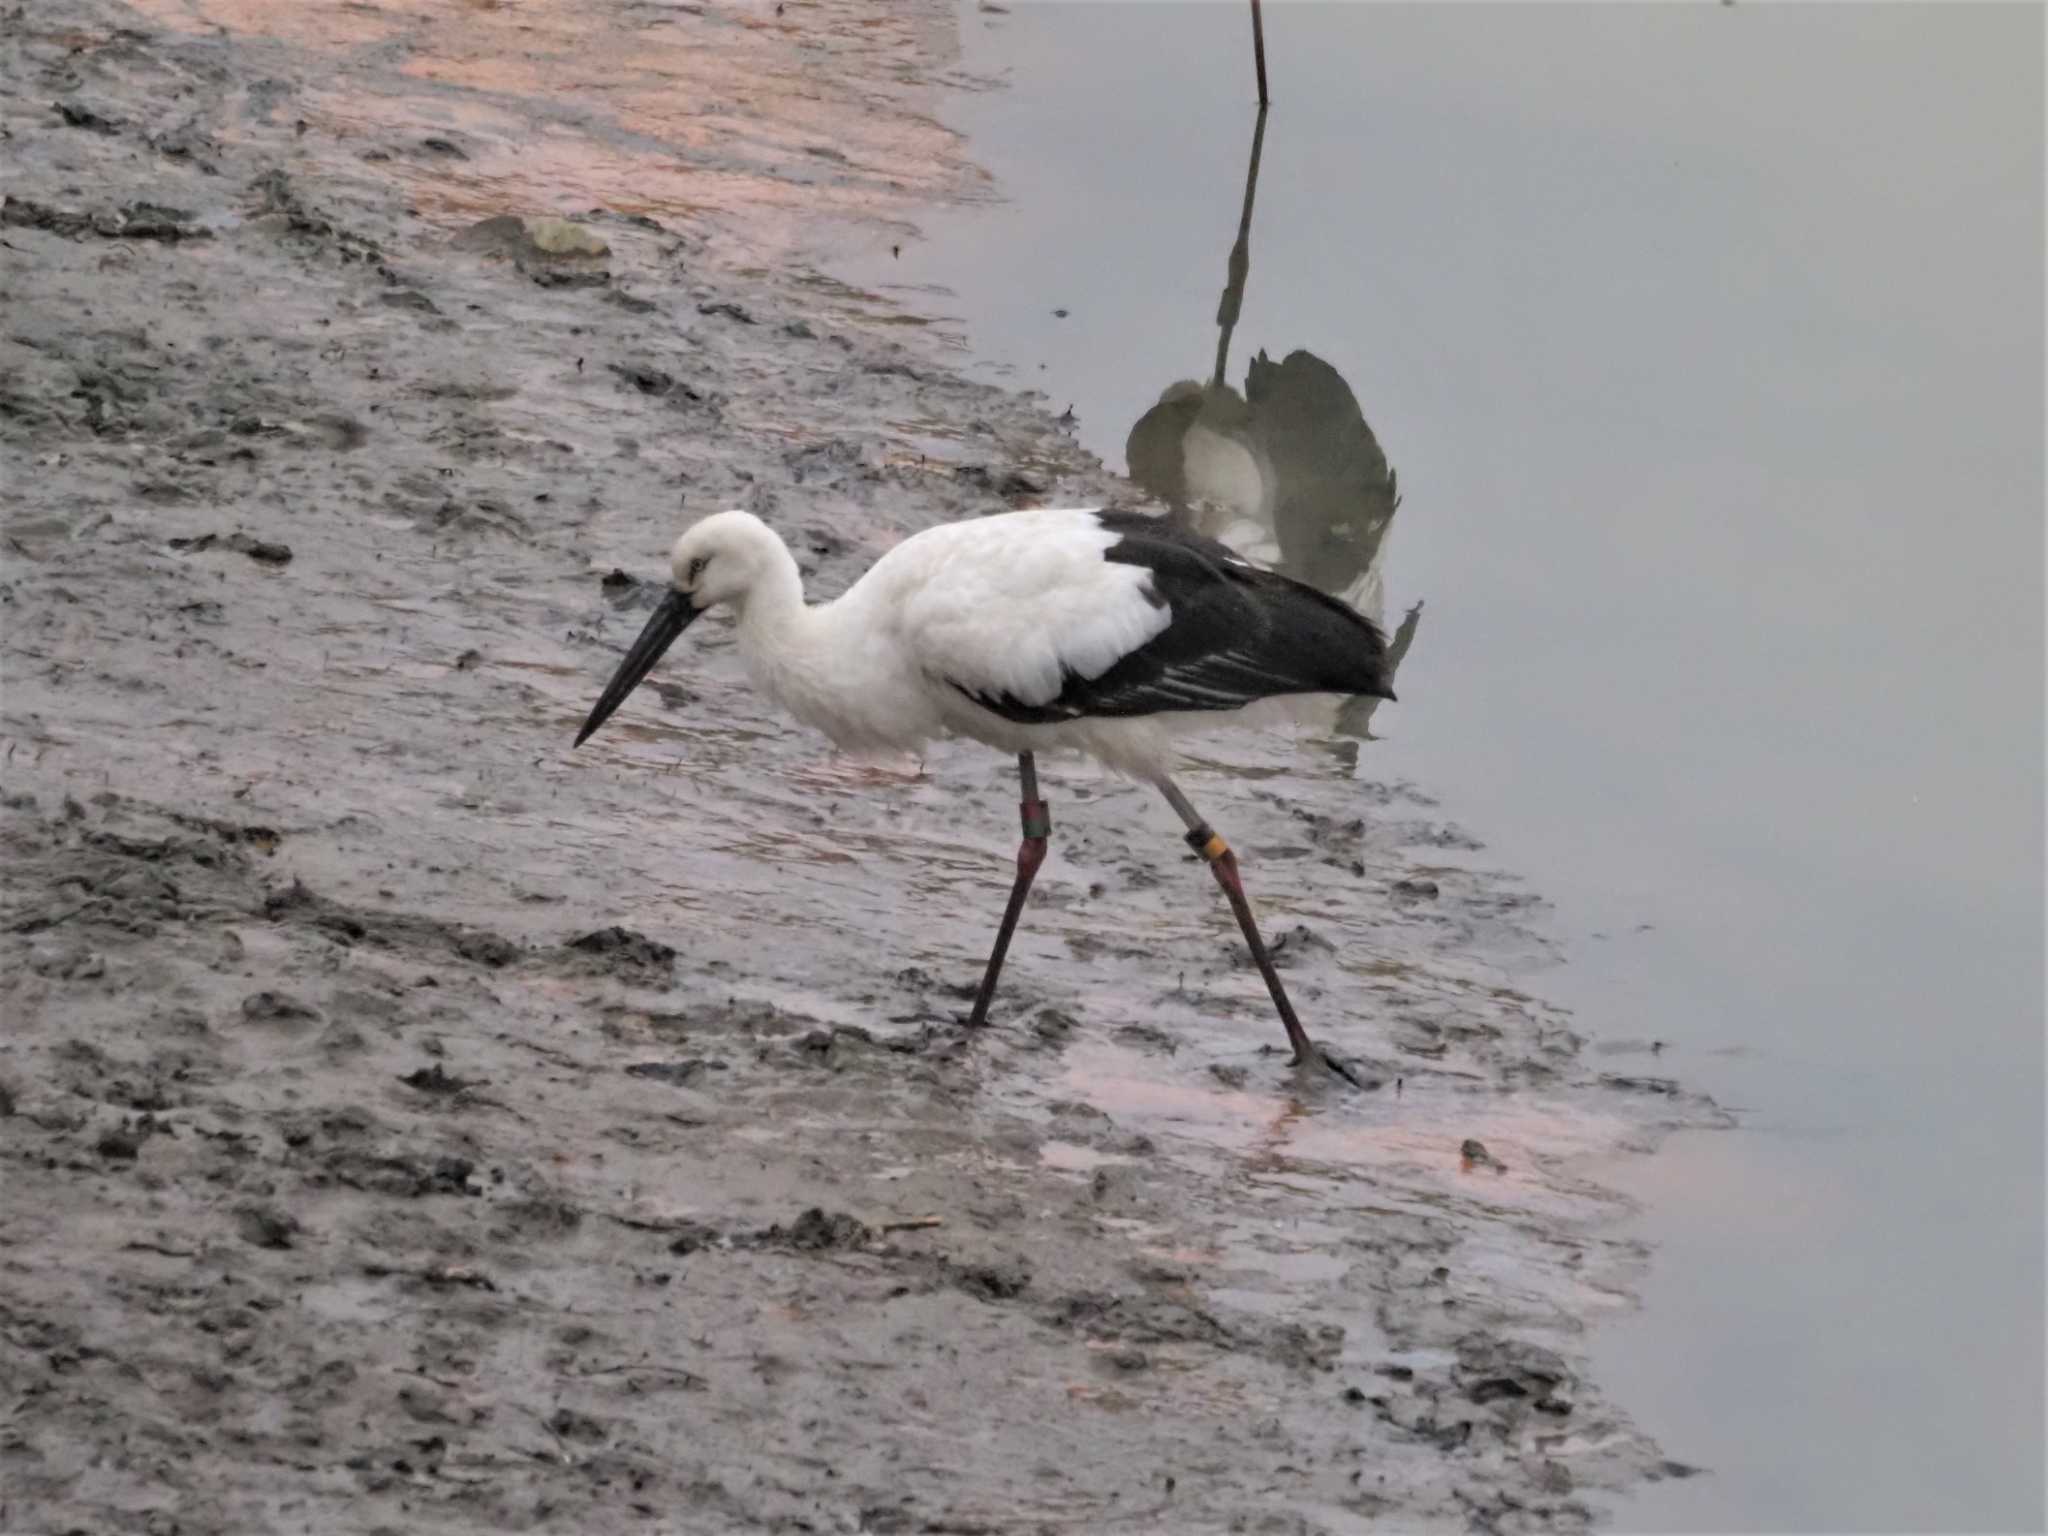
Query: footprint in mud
x=279, y=1011
x=1148, y=1037
x=849, y=773
x=436, y=1079
x=267, y=1226
x=677, y=1072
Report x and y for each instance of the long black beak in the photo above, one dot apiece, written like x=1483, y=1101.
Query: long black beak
x=675, y=615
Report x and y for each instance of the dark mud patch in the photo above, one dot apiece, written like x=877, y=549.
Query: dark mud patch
x=399, y=932
x=437, y=1079
x=135, y=221
x=622, y=953
x=817, y=1231
x=688, y=1070
x=264, y=551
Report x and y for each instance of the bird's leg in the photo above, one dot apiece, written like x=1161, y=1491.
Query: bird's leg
x=1030, y=854
x=1222, y=863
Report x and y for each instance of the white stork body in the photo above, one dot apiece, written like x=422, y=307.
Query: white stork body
x=1002, y=605
x=1087, y=628
x=979, y=628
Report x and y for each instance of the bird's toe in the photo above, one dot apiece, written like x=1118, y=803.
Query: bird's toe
x=1317, y=1061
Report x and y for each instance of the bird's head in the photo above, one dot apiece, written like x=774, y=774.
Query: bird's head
x=721, y=559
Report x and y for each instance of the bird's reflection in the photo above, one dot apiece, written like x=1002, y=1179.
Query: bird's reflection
x=1287, y=472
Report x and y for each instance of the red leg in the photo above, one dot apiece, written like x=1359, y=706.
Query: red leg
x=1030, y=854
x=1222, y=863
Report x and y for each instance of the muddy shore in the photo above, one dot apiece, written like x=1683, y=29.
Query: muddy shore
x=406, y=1124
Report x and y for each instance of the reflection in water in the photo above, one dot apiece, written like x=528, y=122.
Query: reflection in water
x=1286, y=473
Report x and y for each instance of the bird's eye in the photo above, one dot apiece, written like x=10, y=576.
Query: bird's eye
x=697, y=568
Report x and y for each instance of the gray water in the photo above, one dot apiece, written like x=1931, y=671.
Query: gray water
x=1706, y=344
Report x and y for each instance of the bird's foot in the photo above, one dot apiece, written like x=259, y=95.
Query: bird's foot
x=1314, y=1061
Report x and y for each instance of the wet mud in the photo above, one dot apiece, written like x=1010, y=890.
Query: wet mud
x=408, y=1124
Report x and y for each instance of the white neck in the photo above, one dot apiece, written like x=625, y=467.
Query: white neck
x=836, y=667
x=771, y=611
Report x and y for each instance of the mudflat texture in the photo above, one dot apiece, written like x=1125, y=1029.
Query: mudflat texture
x=407, y=1124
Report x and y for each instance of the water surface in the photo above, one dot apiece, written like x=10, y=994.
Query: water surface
x=1706, y=346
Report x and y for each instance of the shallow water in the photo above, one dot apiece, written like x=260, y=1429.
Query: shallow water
x=1706, y=344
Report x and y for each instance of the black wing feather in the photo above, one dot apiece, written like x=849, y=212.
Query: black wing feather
x=1238, y=634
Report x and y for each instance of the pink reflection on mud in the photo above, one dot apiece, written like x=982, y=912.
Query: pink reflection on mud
x=700, y=113
x=1413, y=1139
